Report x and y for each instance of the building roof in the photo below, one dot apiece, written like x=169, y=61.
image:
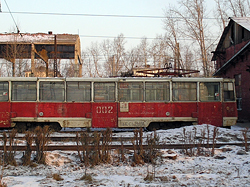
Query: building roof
x=37, y=38
x=243, y=22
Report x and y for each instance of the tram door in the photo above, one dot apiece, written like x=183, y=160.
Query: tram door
x=210, y=113
x=210, y=106
x=104, y=115
x=5, y=105
x=5, y=114
x=104, y=107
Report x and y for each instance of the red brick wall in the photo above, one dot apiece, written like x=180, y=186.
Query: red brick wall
x=240, y=68
x=231, y=51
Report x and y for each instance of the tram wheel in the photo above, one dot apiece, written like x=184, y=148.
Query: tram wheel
x=55, y=127
x=153, y=126
x=21, y=127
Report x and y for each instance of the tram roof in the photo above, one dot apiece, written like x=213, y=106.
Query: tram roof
x=114, y=79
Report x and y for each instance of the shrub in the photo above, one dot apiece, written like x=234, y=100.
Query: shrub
x=27, y=155
x=245, y=138
x=9, y=152
x=41, y=141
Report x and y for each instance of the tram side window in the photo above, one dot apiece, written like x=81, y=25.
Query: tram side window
x=130, y=91
x=104, y=91
x=228, y=91
x=4, y=89
x=78, y=91
x=157, y=91
x=184, y=91
x=51, y=91
x=23, y=91
x=209, y=91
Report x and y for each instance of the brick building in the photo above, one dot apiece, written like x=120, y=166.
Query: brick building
x=232, y=60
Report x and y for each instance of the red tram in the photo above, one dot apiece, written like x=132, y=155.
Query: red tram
x=116, y=102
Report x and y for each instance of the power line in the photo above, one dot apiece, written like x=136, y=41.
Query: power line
x=100, y=36
x=18, y=31
x=88, y=15
x=131, y=37
x=103, y=15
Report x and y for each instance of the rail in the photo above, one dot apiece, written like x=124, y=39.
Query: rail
x=129, y=147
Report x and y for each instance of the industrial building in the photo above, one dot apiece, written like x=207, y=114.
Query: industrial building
x=43, y=46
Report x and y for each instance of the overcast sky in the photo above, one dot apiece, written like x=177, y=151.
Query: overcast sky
x=86, y=25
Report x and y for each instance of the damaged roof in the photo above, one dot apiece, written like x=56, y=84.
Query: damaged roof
x=37, y=38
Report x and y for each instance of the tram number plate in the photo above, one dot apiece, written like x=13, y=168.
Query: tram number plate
x=104, y=109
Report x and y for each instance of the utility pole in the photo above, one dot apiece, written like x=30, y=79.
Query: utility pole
x=55, y=57
x=177, y=59
x=113, y=67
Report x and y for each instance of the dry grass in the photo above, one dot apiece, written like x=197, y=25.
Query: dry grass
x=9, y=153
x=87, y=178
x=149, y=177
x=41, y=140
x=245, y=138
x=94, y=148
x=201, y=141
x=3, y=184
x=57, y=177
x=27, y=155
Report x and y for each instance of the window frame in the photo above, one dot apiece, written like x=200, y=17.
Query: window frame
x=16, y=93
x=41, y=82
x=4, y=93
x=82, y=91
x=102, y=94
x=228, y=87
x=214, y=94
x=131, y=92
x=164, y=91
x=178, y=99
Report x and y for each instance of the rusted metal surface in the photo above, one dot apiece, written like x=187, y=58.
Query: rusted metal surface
x=158, y=72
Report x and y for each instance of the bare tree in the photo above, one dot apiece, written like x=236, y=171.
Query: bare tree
x=159, y=51
x=114, y=55
x=87, y=64
x=21, y=66
x=108, y=55
x=231, y=8
x=14, y=53
x=134, y=58
x=94, y=52
x=143, y=50
x=68, y=69
x=188, y=58
x=172, y=38
x=91, y=60
x=221, y=14
x=119, y=53
x=192, y=13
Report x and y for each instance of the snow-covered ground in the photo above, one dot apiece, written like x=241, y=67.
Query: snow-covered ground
x=230, y=166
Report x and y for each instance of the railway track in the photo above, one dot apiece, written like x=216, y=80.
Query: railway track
x=73, y=138
x=129, y=147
